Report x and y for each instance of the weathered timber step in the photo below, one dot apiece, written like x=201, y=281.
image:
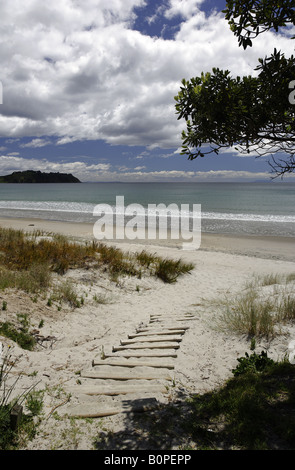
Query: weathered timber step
x=142, y=354
x=129, y=363
x=166, y=345
x=160, y=332
x=170, y=327
x=127, y=375
x=94, y=410
x=116, y=390
x=151, y=339
x=171, y=315
x=164, y=318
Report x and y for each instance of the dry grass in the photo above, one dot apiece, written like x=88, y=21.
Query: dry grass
x=262, y=308
x=27, y=260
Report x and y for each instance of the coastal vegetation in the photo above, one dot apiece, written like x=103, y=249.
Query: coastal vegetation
x=28, y=262
x=262, y=309
x=253, y=410
x=31, y=176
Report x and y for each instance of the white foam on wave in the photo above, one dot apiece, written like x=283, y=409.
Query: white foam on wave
x=87, y=209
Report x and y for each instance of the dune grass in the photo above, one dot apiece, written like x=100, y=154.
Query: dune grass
x=26, y=260
x=260, y=313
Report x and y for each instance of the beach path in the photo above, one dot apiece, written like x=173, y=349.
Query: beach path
x=136, y=377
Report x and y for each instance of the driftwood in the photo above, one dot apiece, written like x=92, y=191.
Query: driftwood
x=41, y=339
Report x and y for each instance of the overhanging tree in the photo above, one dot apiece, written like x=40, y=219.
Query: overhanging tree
x=251, y=113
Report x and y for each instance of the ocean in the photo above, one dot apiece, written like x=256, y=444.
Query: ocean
x=263, y=209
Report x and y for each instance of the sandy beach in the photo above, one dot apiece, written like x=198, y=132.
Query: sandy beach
x=206, y=356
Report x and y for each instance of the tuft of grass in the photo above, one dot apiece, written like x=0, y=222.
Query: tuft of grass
x=19, y=333
x=257, y=313
x=271, y=279
x=286, y=308
x=100, y=299
x=37, y=277
x=11, y=436
x=65, y=293
x=146, y=259
x=290, y=277
x=250, y=315
x=169, y=270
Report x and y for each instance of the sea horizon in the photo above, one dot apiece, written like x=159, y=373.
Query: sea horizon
x=251, y=208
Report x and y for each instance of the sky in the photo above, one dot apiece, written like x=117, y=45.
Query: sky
x=88, y=87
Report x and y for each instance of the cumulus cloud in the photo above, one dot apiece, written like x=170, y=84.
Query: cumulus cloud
x=77, y=70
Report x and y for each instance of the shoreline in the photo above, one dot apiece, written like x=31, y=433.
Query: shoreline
x=269, y=247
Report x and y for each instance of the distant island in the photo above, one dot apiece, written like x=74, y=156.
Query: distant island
x=31, y=176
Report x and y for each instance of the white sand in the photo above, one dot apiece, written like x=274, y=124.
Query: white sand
x=206, y=355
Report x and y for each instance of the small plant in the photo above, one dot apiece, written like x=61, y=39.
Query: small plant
x=9, y=435
x=248, y=314
x=146, y=259
x=259, y=312
x=271, y=279
x=100, y=299
x=4, y=305
x=20, y=335
x=253, y=363
x=65, y=293
x=169, y=270
x=287, y=308
x=34, y=402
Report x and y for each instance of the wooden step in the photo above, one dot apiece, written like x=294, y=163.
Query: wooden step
x=142, y=354
x=169, y=326
x=116, y=390
x=162, y=345
x=127, y=375
x=157, y=332
x=166, y=319
x=171, y=315
x=95, y=410
x=151, y=339
x=129, y=363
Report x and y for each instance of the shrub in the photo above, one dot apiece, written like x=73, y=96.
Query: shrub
x=253, y=363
